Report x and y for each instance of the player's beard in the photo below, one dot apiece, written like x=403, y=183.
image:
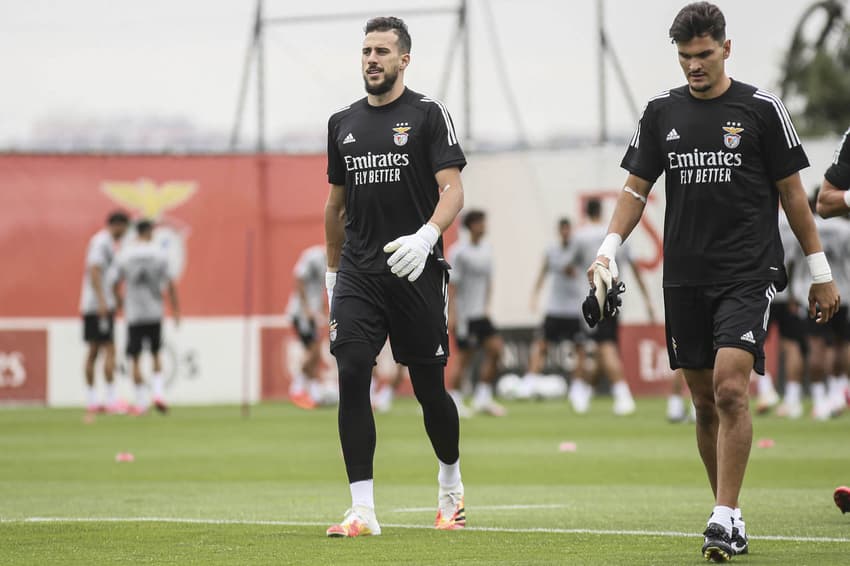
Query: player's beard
x=382, y=87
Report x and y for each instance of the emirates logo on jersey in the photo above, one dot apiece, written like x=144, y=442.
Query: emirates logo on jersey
x=732, y=137
x=400, y=136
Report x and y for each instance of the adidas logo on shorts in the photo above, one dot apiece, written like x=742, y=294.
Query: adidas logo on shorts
x=748, y=337
x=440, y=351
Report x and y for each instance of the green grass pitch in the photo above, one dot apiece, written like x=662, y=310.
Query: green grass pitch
x=209, y=487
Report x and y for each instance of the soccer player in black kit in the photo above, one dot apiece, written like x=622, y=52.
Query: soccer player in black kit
x=729, y=153
x=394, y=167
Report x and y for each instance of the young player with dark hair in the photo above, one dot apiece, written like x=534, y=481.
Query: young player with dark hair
x=144, y=267
x=469, y=297
x=97, y=305
x=394, y=165
x=729, y=153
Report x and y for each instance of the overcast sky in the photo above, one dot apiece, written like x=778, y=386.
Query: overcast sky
x=106, y=60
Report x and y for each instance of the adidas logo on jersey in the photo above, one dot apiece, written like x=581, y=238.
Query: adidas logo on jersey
x=440, y=351
x=673, y=135
x=748, y=337
x=349, y=139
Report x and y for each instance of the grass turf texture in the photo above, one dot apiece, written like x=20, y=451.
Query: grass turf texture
x=276, y=481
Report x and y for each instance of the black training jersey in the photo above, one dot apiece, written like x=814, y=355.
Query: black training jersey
x=839, y=172
x=722, y=158
x=386, y=157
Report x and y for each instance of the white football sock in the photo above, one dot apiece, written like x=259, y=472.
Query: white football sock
x=765, y=385
x=91, y=396
x=158, y=385
x=296, y=387
x=620, y=390
x=722, y=515
x=483, y=393
x=793, y=392
x=141, y=401
x=362, y=494
x=316, y=391
x=110, y=394
x=449, y=474
x=818, y=392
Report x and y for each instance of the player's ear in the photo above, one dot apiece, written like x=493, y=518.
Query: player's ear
x=727, y=48
x=405, y=61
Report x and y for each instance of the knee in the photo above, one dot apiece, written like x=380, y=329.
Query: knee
x=706, y=410
x=730, y=396
x=354, y=362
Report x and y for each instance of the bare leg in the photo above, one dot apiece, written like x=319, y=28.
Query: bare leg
x=109, y=362
x=91, y=358
x=462, y=359
x=735, y=430
x=137, y=371
x=701, y=384
x=538, y=356
x=493, y=348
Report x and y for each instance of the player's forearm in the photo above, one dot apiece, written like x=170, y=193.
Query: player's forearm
x=96, y=277
x=832, y=201
x=334, y=226
x=448, y=207
x=172, y=298
x=796, y=206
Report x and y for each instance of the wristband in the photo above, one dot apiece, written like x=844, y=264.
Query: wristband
x=330, y=279
x=819, y=268
x=847, y=198
x=609, y=246
x=429, y=232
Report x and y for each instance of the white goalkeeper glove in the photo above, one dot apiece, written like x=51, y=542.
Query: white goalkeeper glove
x=411, y=252
x=330, y=282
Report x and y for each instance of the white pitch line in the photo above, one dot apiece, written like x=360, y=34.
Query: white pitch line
x=485, y=508
x=544, y=530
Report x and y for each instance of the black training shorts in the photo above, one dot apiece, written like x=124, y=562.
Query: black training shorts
x=306, y=329
x=473, y=333
x=700, y=320
x=138, y=334
x=606, y=331
x=557, y=329
x=791, y=325
x=368, y=307
x=98, y=330
x=836, y=330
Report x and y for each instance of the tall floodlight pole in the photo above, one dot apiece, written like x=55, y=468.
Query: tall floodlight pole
x=463, y=18
x=261, y=82
x=600, y=65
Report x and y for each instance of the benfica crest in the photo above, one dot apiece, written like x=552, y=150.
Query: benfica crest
x=400, y=136
x=732, y=137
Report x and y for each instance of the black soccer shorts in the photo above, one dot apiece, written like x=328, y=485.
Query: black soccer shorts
x=608, y=330
x=368, y=307
x=138, y=334
x=472, y=333
x=700, y=320
x=557, y=329
x=836, y=330
x=306, y=329
x=98, y=330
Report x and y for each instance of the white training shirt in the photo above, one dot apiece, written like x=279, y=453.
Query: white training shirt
x=835, y=237
x=309, y=269
x=101, y=253
x=472, y=269
x=566, y=292
x=143, y=266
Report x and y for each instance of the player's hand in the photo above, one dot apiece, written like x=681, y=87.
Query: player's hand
x=330, y=283
x=102, y=309
x=410, y=253
x=603, y=262
x=824, y=301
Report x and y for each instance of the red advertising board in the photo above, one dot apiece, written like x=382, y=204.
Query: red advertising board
x=23, y=365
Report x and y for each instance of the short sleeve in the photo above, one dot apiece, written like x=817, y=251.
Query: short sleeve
x=839, y=172
x=443, y=146
x=98, y=254
x=643, y=156
x=780, y=146
x=336, y=165
x=302, y=266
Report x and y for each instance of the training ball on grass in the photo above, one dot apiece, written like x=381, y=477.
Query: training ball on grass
x=124, y=457
x=507, y=386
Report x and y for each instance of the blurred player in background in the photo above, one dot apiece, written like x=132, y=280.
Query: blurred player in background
x=562, y=315
x=785, y=312
x=834, y=196
x=97, y=305
x=587, y=240
x=470, y=287
x=385, y=385
x=677, y=411
x=307, y=310
x=828, y=343
x=143, y=266
x=729, y=153
x=394, y=165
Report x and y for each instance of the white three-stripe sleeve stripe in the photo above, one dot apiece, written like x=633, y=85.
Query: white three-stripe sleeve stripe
x=636, y=137
x=770, y=293
x=840, y=145
x=452, y=137
x=791, y=136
